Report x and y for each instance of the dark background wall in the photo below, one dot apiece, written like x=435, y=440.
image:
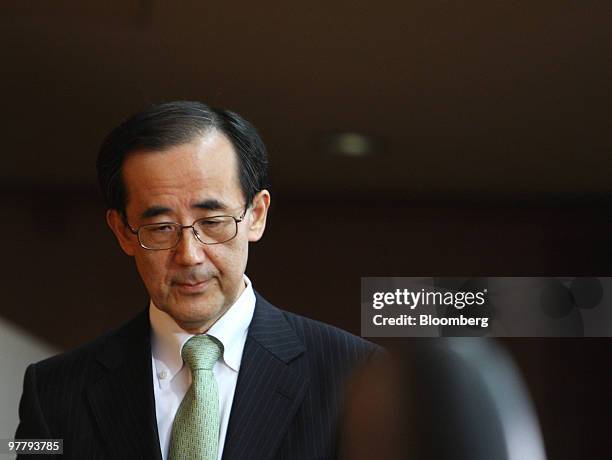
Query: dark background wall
x=493, y=122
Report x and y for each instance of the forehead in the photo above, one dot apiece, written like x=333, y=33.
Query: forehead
x=204, y=169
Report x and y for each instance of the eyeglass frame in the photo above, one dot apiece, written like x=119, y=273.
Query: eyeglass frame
x=237, y=220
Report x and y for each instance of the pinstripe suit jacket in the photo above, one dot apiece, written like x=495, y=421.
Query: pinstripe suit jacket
x=99, y=397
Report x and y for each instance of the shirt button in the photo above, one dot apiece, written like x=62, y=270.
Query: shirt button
x=163, y=375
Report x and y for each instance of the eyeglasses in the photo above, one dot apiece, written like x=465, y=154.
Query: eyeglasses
x=208, y=230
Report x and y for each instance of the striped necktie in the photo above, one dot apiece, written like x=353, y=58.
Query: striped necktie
x=195, y=430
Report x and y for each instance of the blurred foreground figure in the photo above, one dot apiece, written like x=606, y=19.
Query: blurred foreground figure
x=453, y=399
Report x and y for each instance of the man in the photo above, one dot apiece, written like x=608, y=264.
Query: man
x=210, y=369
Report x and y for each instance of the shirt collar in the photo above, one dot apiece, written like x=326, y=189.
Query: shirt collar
x=167, y=337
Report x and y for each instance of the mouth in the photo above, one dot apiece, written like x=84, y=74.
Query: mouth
x=192, y=287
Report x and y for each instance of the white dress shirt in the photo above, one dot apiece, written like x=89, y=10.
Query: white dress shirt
x=172, y=378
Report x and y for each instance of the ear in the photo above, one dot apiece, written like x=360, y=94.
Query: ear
x=258, y=215
x=127, y=240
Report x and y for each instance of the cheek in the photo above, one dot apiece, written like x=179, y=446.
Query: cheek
x=152, y=270
x=230, y=260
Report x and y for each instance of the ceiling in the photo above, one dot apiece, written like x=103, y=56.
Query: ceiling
x=478, y=99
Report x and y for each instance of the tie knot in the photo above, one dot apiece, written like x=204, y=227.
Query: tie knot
x=201, y=352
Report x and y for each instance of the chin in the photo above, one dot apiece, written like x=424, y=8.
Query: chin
x=194, y=312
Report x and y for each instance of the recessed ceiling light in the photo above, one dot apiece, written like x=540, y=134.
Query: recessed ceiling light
x=352, y=144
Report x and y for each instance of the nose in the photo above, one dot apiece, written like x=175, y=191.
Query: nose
x=189, y=250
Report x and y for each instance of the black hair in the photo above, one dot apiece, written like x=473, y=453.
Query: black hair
x=166, y=125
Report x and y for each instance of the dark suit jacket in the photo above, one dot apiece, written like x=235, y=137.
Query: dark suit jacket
x=99, y=397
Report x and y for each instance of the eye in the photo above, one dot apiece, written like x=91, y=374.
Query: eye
x=210, y=222
x=162, y=228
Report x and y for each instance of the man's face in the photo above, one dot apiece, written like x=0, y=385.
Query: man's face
x=194, y=283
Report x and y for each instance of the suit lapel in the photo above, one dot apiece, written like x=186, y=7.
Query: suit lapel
x=270, y=386
x=122, y=400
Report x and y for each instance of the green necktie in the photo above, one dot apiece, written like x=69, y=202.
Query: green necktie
x=195, y=431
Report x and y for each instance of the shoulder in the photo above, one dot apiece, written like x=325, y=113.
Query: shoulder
x=328, y=337
x=79, y=362
x=321, y=338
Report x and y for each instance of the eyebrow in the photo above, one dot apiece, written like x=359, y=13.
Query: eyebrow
x=154, y=211
x=208, y=205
